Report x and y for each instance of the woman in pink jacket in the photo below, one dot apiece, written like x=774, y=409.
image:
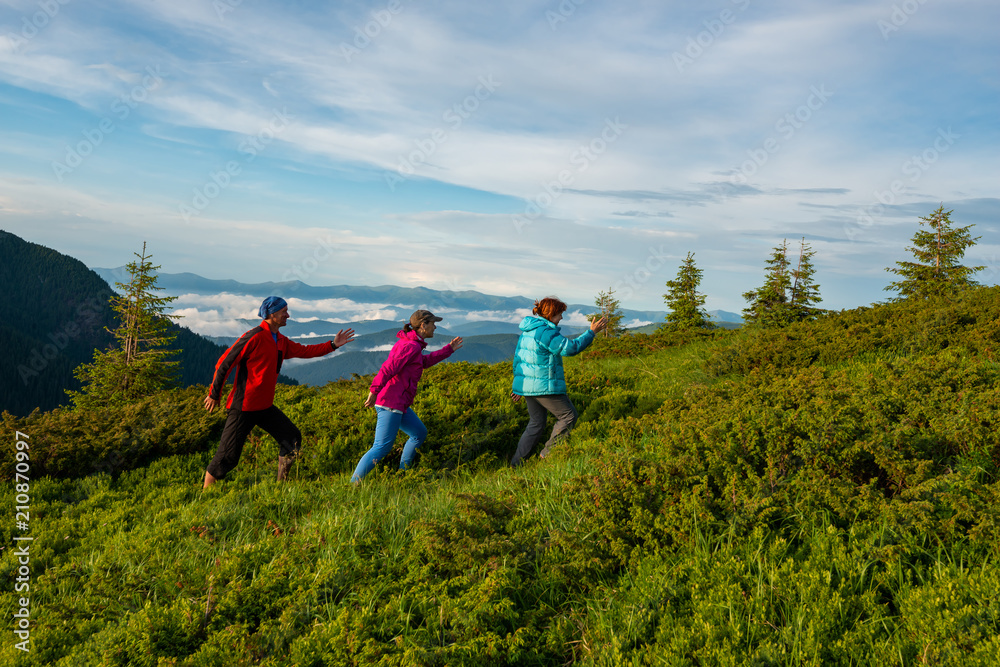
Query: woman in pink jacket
x=395, y=386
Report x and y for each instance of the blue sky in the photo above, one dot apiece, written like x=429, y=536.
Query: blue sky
x=518, y=148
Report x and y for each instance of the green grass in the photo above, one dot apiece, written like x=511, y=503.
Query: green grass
x=796, y=514
x=149, y=541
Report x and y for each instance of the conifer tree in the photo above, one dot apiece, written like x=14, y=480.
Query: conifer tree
x=610, y=308
x=937, y=251
x=684, y=300
x=137, y=363
x=804, y=292
x=788, y=295
x=769, y=305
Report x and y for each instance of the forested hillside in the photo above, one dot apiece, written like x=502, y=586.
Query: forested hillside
x=59, y=314
x=821, y=494
x=58, y=310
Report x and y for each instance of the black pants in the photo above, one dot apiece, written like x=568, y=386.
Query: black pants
x=238, y=427
x=539, y=408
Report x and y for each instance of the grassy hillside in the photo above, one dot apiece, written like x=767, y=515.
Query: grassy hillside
x=824, y=494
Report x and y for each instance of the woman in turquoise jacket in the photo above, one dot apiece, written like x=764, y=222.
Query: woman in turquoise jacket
x=538, y=374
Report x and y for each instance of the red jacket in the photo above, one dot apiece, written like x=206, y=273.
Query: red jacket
x=257, y=357
x=395, y=384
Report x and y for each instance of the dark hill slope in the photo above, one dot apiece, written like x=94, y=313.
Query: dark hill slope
x=61, y=310
x=61, y=315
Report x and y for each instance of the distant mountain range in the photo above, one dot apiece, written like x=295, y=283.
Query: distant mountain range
x=488, y=324
x=324, y=310
x=725, y=316
x=457, y=303
x=327, y=329
x=359, y=359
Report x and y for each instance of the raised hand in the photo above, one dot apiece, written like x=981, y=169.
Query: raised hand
x=597, y=326
x=343, y=337
x=456, y=343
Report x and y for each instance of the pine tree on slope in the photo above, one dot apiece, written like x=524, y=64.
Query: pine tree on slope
x=769, y=305
x=684, y=300
x=937, y=251
x=610, y=307
x=137, y=364
x=804, y=291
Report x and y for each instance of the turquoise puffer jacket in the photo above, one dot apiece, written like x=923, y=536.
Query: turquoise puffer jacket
x=538, y=368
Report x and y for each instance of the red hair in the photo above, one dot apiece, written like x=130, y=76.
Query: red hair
x=549, y=307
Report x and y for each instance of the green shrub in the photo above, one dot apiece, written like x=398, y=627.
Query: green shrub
x=823, y=494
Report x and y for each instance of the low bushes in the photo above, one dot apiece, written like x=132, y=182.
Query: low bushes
x=826, y=494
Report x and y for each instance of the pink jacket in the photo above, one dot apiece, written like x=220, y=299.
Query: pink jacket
x=395, y=384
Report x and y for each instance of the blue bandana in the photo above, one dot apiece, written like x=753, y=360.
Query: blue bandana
x=272, y=304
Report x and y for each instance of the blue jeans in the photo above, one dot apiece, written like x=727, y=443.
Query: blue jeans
x=388, y=424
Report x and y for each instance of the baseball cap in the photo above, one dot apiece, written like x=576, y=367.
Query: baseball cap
x=421, y=316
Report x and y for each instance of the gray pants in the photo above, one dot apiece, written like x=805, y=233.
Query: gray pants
x=539, y=408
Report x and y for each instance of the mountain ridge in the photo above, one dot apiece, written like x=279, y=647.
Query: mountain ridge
x=448, y=303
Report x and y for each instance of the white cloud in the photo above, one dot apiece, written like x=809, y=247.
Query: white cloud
x=514, y=317
x=656, y=186
x=575, y=319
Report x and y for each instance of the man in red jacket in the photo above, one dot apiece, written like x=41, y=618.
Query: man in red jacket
x=257, y=357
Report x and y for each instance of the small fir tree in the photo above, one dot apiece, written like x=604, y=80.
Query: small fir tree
x=938, y=252
x=610, y=308
x=684, y=300
x=769, y=306
x=137, y=363
x=788, y=295
x=804, y=292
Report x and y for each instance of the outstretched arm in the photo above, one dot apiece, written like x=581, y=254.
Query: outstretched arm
x=567, y=347
x=442, y=354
